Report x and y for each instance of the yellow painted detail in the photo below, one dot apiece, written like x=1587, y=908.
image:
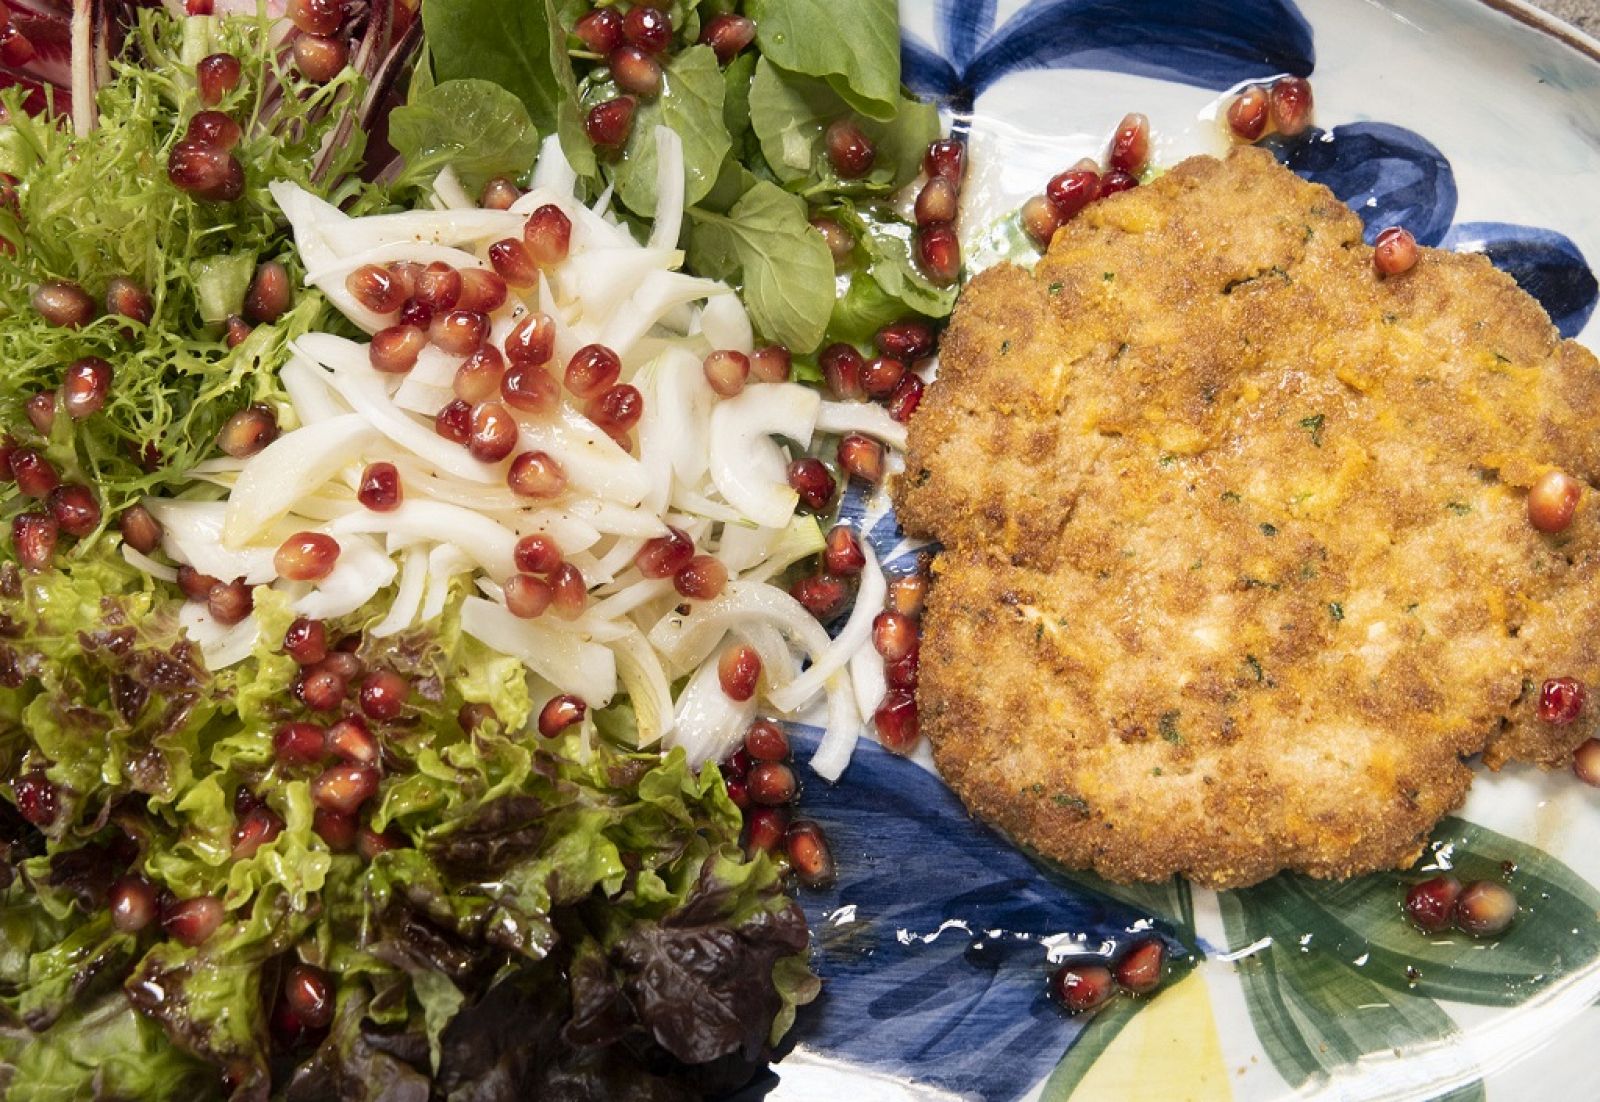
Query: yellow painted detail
x=1170, y=1050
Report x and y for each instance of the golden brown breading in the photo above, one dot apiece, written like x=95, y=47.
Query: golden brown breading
x=1238, y=564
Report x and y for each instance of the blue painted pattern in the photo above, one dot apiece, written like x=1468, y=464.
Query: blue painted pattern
x=1387, y=174
x=1546, y=264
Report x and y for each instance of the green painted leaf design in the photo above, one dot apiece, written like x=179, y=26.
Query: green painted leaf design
x=1097, y=1035
x=692, y=105
x=1555, y=933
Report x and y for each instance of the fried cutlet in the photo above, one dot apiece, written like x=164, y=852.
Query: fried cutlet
x=1238, y=572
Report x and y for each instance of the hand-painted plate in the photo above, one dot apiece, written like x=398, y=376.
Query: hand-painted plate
x=1477, y=126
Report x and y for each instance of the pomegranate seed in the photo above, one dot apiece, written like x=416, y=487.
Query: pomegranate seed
x=1553, y=501
x=946, y=158
x=850, y=151
x=772, y=783
x=1115, y=181
x=350, y=740
x=211, y=128
x=738, y=670
x=320, y=58
x=809, y=854
x=527, y=596
x=531, y=389
x=478, y=377
x=132, y=903
x=1247, y=114
x=454, y=422
x=1081, y=987
x=861, y=457
x=343, y=660
x=322, y=690
x=306, y=556
x=536, y=474
x=380, y=488
x=765, y=827
x=316, y=16
x=635, y=71
x=458, y=332
x=1130, y=144
x=415, y=313
x=35, y=475
x=1290, y=103
x=139, y=529
x=192, y=921
x=336, y=829
x=811, y=480
x=205, y=172
x=1586, y=762
x=395, y=349
x=537, y=554
x=570, y=593
x=127, y=299
x=259, y=826
x=74, y=509
x=230, y=602
x=195, y=585
x=907, y=593
x=344, y=788
x=908, y=341
x=64, y=304
x=1040, y=220
x=309, y=994
x=727, y=371
x=405, y=274
x=217, y=75
x=939, y=254
x=842, y=553
x=41, y=411
x=592, y=369
x=548, y=233
x=494, y=432
x=896, y=722
x=499, y=194
x=236, y=331
x=902, y=675
x=37, y=798
x=531, y=343
x=600, y=30
x=1485, y=908
x=438, y=287
x=648, y=28
x=770, y=364
x=738, y=792
x=702, y=579
x=299, y=743
x=894, y=634
x=559, y=713
x=617, y=410
x=728, y=35
x=306, y=641
x=1073, y=189
x=1561, y=700
x=383, y=695
x=937, y=204
x=514, y=263
x=376, y=288
x=248, y=432
x=369, y=843
x=33, y=539
x=1431, y=904
x=664, y=556
x=905, y=399
x=1140, y=970
x=471, y=716
x=840, y=244
x=881, y=375
x=608, y=124
x=766, y=741
x=822, y=595
x=482, y=292
x=738, y=764
x=1395, y=252
x=841, y=370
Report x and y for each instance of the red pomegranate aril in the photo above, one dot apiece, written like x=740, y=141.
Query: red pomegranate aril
x=766, y=741
x=1079, y=988
x=809, y=854
x=548, y=234
x=320, y=58
x=536, y=474
x=454, y=422
x=822, y=595
x=1395, y=252
x=248, y=432
x=1561, y=700
x=478, y=377
x=527, y=596
x=494, y=432
x=322, y=690
x=1130, y=144
x=728, y=35
x=380, y=489
x=811, y=479
x=316, y=16
x=74, y=508
x=905, y=399
x=907, y=593
x=1116, y=181
x=937, y=204
x=336, y=829
x=617, y=410
x=635, y=71
x=907, y=341
x=569, y=591
x=530, y=388
x=771, y=783
x=702, y=579
x=531, y=343
x=499, y=194
x=475, y=714
x=513, y=262
x=191, y=922
x=592, y=369
x=84, y=387
x=376, y=288
x=1071, y=191
x=33, y=539
x=648, y=28
x=738, y=764
x=205, y=172
x=1553, y=501
x=256, y=828
x=213, y=128
x=1290, y=103
x=1248, y=113
x=306, y=556
x=841, y=370
x=861, y=457
x=765, y=827
x=350, y=740
x=738, y=671
x=1586, y=762
x=195, y=585
x=140, y=530
x=770, y=364
x=482, y=292
x=840, y=244
x=727, y=371
x=230, y=602
x=41, y=411
x=415, y=313
x=63, y=304
x=383, y=695
x=1485, y=909
x=608, y=124
x=309, y=993
x=559, y=713
x=881, y=375
x=842, y=553
x=664, y=556
x=236, y=331
x=299, y=743
x=37, y=798
x=850, y=151
x=537, y=554
x=132, y=903
x=1040, y=220
x=896, y=722
x=1431, y=904
x=894, y=634
x=439, y=287
x=1140, y=970
x=600, y=30
x=395, y=350
x=343, y=661
x=902, y=675
x=946, y=158
x=405, y=274
x=217, y=75
x=35, y=475
x=127, y=299
x=344, y=788
x=939, y=254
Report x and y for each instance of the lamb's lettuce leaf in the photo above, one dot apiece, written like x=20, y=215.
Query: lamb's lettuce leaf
x=473, y=126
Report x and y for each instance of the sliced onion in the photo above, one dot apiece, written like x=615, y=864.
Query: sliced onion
x=669, y=189
x=488, y=544
x=866, y=679
x=856, y=634
x=292, y=467
x=447, y=186
x=191, y=532
x=553, y=172
x=629, y=597
x=362, y=569
x=586, y=670
x=313, y=398
x=645, y=682
x=408, y=598
x=592, y=460
x=658, y=295
x=748, y=467
x=221, y=645
x=155, y=569
x=863, y=417
x=685, y=641
x=844, y=731
x=603, y=279
x=708, y=723
x=444, y=563
x=725, y=324
x=777, y=661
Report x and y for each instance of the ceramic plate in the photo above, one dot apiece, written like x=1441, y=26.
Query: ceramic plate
x=1477, y=127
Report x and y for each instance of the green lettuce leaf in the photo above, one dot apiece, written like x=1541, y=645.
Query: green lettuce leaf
x=474, y=126
x=859, y=56
x=691, y=103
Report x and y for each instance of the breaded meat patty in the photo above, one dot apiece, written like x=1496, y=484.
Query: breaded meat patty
x=1238, y=571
